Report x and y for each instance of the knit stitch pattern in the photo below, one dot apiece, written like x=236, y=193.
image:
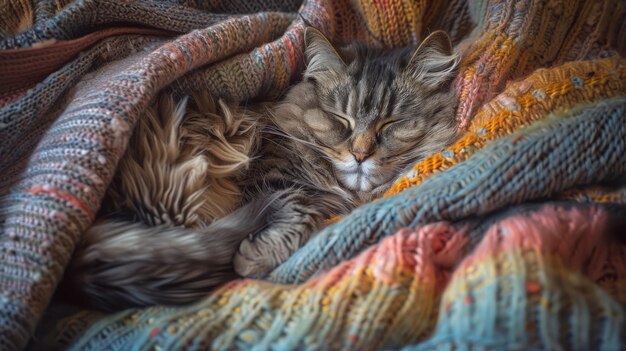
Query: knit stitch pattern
x=542, y=117
x=387, y=296
x=508, y=171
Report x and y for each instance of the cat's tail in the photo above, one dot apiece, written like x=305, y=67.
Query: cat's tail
x=121, y=264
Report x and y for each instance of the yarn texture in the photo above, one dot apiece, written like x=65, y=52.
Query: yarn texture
x=511, y=238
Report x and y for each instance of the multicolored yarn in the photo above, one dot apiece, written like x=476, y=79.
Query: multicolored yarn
x=71, y=91
x=596, y=194
x=520, y=289
x=393, y=286
x=525, y=102
x=542, y=280
x=518, y=37
x=584, y=147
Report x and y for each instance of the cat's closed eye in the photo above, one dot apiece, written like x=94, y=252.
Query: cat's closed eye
x=327, y=129
x=384, y=125
x=347, y=122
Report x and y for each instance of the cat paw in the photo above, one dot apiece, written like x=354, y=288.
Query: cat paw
x=251, y=261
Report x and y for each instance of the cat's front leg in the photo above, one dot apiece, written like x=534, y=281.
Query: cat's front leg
x=292, y=219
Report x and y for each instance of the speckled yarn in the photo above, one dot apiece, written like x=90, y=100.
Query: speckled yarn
x=543, y=280
x=514, y=38
x=532, y=164
x=519, y=290
x=533, y=99
x=542, y=112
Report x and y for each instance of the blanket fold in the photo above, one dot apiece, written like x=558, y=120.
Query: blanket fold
x=529, y=160
x=452, y=257
x=517, y=290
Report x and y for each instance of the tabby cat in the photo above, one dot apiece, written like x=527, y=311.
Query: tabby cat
x=358, y=120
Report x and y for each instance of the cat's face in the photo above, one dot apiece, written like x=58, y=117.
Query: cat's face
x=373, y=115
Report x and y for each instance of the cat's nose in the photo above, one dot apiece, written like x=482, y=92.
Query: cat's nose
x=360, y=156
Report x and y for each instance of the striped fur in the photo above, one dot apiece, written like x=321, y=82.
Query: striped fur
x=357, y=121
x=169, y=231
x=164, y=235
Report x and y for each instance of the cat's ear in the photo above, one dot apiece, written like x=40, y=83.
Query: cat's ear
x=321, y=56
x=434, y=63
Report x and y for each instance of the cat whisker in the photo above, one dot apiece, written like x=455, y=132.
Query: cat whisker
x=207, y=193
x=294, y=152
x=298, y=140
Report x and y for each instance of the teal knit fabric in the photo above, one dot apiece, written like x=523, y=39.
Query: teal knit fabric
x=504, y=174
x=489, y=302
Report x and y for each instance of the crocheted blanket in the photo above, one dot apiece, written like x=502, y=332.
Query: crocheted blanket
x=512, y=238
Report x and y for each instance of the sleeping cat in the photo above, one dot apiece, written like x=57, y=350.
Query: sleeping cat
x=339, y=138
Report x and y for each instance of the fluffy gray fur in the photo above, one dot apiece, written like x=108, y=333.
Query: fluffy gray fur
x=164, y=235
x=354, y=124
x=358, y=120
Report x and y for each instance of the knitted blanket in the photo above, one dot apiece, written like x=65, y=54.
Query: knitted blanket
x=511, y=238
